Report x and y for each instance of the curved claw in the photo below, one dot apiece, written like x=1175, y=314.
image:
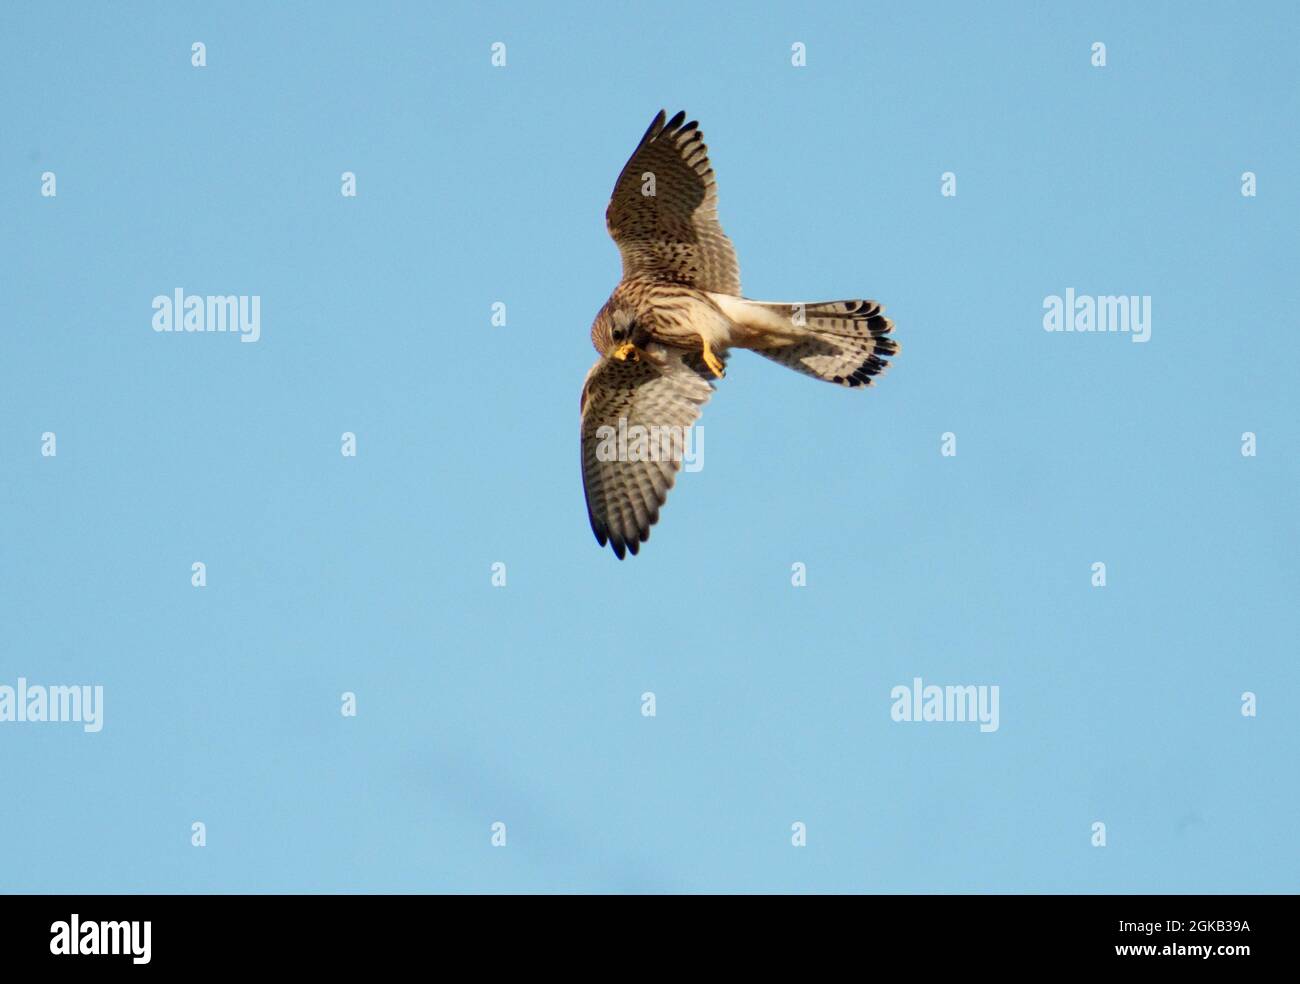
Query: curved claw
x=713, y=362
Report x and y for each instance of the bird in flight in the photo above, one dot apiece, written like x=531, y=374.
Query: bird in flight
x=664, y=334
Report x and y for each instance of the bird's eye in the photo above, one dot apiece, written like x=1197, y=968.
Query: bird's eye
x=619, y=334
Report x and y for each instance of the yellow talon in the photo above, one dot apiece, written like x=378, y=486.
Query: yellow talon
x=624, y=351
x=713, y=362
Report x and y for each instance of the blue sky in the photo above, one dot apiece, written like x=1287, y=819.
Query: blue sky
x=521, y=704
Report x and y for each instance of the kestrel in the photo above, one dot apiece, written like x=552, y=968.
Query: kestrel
x=664, y=333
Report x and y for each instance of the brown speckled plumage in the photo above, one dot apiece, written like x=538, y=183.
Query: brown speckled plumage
x=677, y=309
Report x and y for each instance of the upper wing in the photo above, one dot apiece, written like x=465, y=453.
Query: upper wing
x=625, y=473
x=672, y=233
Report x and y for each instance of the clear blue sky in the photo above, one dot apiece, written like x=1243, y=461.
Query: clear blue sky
x=522, y=705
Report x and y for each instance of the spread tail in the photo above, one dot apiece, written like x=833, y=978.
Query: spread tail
x=844, y=342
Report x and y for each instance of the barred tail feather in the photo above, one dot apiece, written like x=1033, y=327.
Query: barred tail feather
x=844, y=342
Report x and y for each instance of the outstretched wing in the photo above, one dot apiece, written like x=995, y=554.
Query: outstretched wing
x=626, y=473
x=664, y=211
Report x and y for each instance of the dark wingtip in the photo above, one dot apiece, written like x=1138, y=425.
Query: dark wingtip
x=677, y=120
x=655, y=126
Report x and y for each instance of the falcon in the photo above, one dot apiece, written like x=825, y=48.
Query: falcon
x=664, y=334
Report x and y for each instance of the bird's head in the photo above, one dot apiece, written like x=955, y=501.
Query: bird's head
x=613, y=326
